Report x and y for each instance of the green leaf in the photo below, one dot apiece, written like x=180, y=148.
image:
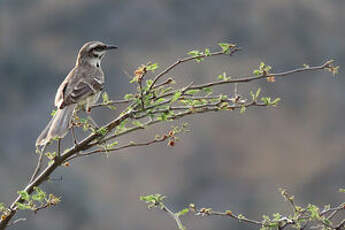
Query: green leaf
x=39, y=194
x=243, y=109
x=128, y=96
x=134, y=79
x=159, y=100
x=102, y=131
x=193, y=91
x=314, y=211
x=241, y=217
x=342, y=190
x=152, y=67
x=149, y=83
x=163, y=117
x=50, y=155
x=109, y=146
x=153, y=198
x=53, y=112
x=22, y=206
x=207, y=52
x=24, y=195
x=257, y=94
x=138, y=124
x=276, y=217
x=275, y=101
x=266, y=100
x=2, y=207
x=207, y=90
x=264, y=68
x=182, y=212
x=194, y=53
x=105, y=98
x=257, y=72
x=176, y=96
x=224, y=46
x=112, y=107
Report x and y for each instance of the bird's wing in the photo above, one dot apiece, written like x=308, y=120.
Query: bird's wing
x=79, y=87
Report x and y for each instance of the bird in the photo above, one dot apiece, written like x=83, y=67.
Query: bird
x=82, y=86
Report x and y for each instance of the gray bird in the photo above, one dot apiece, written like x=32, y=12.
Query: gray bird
x=82, y=86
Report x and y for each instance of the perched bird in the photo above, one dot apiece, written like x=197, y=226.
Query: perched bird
x=83, y=86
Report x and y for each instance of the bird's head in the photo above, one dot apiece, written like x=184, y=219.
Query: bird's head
x=93, y=52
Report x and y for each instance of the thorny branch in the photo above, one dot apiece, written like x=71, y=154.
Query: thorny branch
x=300, y=217
x=156, y=103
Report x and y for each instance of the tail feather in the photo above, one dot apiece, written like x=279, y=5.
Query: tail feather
x=58, y=126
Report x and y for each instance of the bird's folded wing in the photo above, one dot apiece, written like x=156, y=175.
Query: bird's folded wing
x=81, y=91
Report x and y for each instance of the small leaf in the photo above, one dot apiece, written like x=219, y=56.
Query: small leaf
x=22, y=206
x=39, y=194
x=207, y=52
x=152, y=67
x=176, y=96
x=243, y=109
x=182, y=212
x=2, y=207
x=149, y=83
x=257, y=72
x=257, y=94
x=102, y=131
x=105, y=98
x=275, y=101
x=194, y=53
x=226, y=47
x=53, y=112
x=138, y=124
x=208, y=90
x=193, y=91
x=266, y=100
x=109, y=146
x=24, y=195
x=129, y=96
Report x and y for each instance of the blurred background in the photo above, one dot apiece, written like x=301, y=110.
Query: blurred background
x=229, y=160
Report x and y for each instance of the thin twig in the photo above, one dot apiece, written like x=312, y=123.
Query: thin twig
x=113, y=102
x=129, y=145
x=187, y=59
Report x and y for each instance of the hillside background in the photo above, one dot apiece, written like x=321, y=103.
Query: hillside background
x=228, y=161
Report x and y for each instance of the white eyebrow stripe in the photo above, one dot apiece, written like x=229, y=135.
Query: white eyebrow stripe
x=94, y=45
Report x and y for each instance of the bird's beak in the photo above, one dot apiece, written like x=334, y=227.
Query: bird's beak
x=111, y=47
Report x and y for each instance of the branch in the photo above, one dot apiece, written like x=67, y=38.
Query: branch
x=129, y=145
x=300, y=218
x=161, y=105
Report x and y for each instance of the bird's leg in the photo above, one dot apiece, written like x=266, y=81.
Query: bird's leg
x=58, y=148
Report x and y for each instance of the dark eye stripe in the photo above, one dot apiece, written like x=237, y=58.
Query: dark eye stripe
x=99, y=48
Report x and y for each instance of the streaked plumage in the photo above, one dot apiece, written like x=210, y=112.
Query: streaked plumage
x=82, y=85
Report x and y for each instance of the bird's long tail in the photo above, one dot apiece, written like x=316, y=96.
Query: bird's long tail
x=58, y=126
